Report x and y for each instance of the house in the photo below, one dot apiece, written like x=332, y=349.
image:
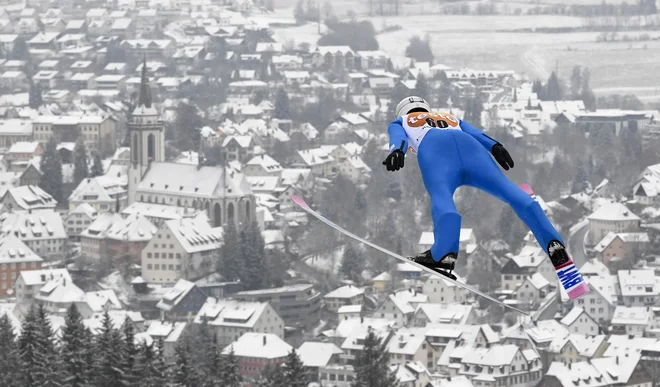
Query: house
x=14, y=130
x=368, y=60
x=298, y=304
x=349, y=312
x=383, y=281
x=608, y=371
x=400, y=306
x=79, y=219
x=315, y=355
x=579, y=322
x=639, y=287
x=182, y=302
x=331, y=57
x=82, y=80
x=601, y=300
x=27, y=198
x=530, y=260
x=103, y=193
x=411, y=374
x=409, y=345
x=612, y=217
x=15, y=258
x=631, y=321
x=647, y=185
x=532, y=290
x=466, y=238
x=254, y=351
x=575, y=348
x=440, y=291
x=238, y=147
x=182, y=249
x=29, y=282
x=44, y=234
x=500, y=365
x=230, y=319
x=317, y=160
x=626, y=245
x=344, y=295
x=126, y=238
x=169, y=333
x=262, y=165
x=443, y=314
x=24, y=151
x=93, y=239
x=57, y=295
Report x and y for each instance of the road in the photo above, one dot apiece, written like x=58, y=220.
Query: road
x=576, y=245
x=534, y=62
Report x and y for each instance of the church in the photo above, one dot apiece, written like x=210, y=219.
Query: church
x=222, y=193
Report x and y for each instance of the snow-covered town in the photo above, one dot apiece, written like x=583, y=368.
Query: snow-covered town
x=148, y=153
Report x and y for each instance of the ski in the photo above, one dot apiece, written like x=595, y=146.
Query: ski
x=302, y=204
x=569, y=276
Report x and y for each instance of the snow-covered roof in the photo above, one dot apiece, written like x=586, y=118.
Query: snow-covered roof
x=35, y=225
x=259, y=345
x=195, y=234
x=230, y=313
x=193, y=182
x=638, y=283
x=314, y=354
x=24, y=147
x=495, y=356
x=585, y=345
x=175, y=295
x=594, y=267
x=99, y=300
x=572, y=316
x=100, y=226
x=406, y=341
x=317, y=156
x=613, y=212
x=134, y=228
x=598, y=372
x=530, y=256
x=347, y=291
x=157, y=211
x=59, y=291
x=633, y=315
x=544, y=331
x=349, y=309
x=86, y=209
x=98, y=189
x=168, y=331
x=266, y=162
x=31, y=197
x=41, y=276
x=13, y=251
x=347, y=326
x=384, y=276
x=445, y=313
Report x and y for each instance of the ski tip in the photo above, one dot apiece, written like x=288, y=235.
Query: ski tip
x=299, y=201
x=527, y=188
x=578, y=291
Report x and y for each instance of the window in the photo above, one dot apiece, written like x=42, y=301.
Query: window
x=148, y=255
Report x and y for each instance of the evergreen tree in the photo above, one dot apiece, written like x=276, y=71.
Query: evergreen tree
x=97, y=166
x=398, y=93
x=253, y=252
x=419, y=50
x=231, y=262
x=230, y=374
x=183, y=373
x=282, y=104
x=51, y=169
x=75, y=350
x=10, y=370
x=212, y=364
x=473, y=110
x=188, y=124
x=148, y=367
x=553, y=88
x=129, y=352
x=422, y=88
x=580, y=181
x=576, y=82
x=537, y=87
x=352, y=263
x=108, y=348
x=48, y=365
x=80, y=162
x=299, y=12
x=295, y=374
x=20, y=50
x=29, y=350
x=35, y=95
x=515, y=94
x=271, y=376
x=372, y=364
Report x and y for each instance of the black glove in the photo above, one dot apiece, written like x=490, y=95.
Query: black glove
x=502, y=156
x=396, y=159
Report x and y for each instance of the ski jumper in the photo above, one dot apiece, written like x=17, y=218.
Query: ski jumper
x=453, y=153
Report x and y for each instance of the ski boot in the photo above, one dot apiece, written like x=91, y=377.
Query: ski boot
x=557, y=253
x=444, y=267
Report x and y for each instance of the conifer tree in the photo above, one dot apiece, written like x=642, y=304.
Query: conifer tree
x=183, y=371
x=75, y=350
x=129, y=352
x=372, y=364
x=150, y=367
x=97, y=166
x=80, y=162
x=28, y=345
x=51, y=169
x=295, y=374
x=253, y=254
x=231, y=262
x=10, y=370
x=271, y=376
x=351, y=263
x=282, y=104
x=230, y=376
x=422, y=88
x=108, y=348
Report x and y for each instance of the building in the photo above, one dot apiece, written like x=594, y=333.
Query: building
x=29, y=282
x=601, y=300
x=575, y=348
x=530, y=260
x=99, y=131
x=15, y=258
x=103, y=193
x=262, y=165
x=125, y=238
x=625, y=245
x=230, y=319
x=532, y=291
x=345, y=295
x=14, y=130
x=608, y=371
x=79, y=219
x=579, y=322
x=502, y=365
x=466, y=238
x=612, y=217
x=41, y=230
x=296, y=304
x=24, y=151
x=169, y=332
x=185, y=248
x=315, y=355
x=443, y=314
x=28, y=198
x=401, y=306
x=631, y=321
x=440, y=291
x=639, y=287
x=254, y=351
x=182, y=302
x=224, y=194
x=92, y=240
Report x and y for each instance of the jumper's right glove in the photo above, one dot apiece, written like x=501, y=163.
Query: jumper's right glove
x=502, y=156
x=395, y=160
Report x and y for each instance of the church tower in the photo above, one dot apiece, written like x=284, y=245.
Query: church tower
x=147, y=137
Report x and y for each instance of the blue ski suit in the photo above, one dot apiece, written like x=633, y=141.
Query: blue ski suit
x=453, y=153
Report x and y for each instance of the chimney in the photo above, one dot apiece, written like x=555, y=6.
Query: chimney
x=569, y=366
x=264, y=340
x=617, y=360
x=361, y=320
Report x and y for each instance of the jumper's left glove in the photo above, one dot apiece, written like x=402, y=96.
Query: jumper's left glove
x=396, y=159
x=502, y=156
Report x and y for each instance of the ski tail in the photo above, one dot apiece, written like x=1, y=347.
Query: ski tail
x=569, y=276
x=301, y=203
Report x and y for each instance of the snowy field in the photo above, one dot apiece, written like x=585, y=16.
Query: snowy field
x=328, y=263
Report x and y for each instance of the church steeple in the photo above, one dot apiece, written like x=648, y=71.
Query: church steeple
x=145, y=91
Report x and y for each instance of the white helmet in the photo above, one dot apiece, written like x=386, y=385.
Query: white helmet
x=409, y=103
